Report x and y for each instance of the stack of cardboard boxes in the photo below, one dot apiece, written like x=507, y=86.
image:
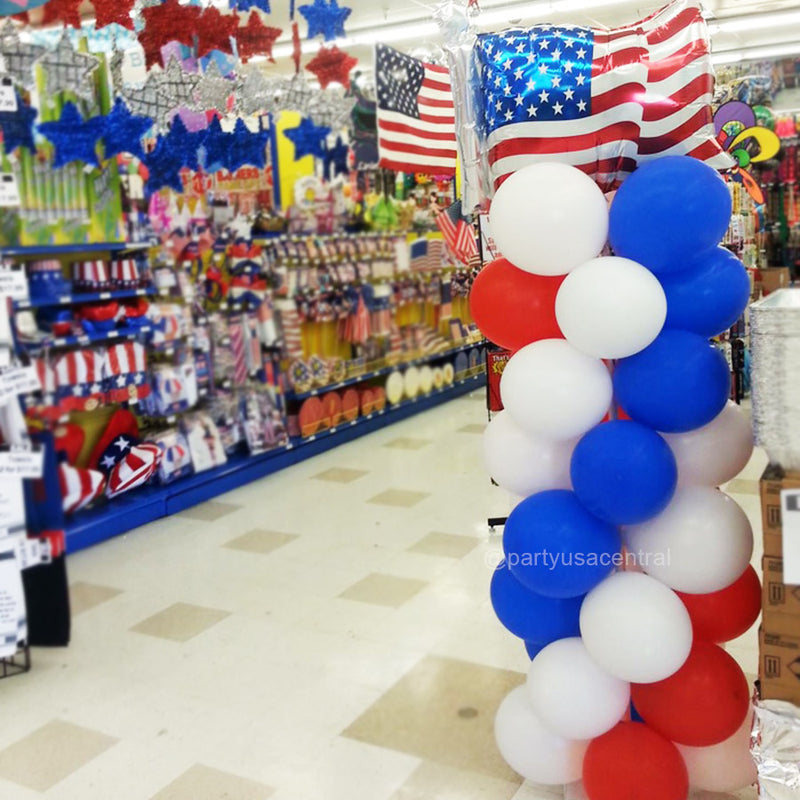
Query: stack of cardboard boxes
x=779, y=637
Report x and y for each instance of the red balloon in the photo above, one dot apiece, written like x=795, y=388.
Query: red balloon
x=632, y=762
x=728, y=613
x=514, y=308
x=702, y=704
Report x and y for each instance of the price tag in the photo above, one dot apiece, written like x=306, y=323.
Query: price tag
x=8, y=97
x=13, y=283
x=20, y=380
x=790, y=517
x=20, y=462
x=9, y=190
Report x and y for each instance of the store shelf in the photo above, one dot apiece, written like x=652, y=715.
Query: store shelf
x=87, y=338
x=153, y=502
x=71, y=249
x=81, y=297
x=367, y=376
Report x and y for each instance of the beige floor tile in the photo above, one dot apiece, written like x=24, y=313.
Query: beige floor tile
x=383, y=590
x=340, y=475
x=443, y=711
x=431, y=781
x=51, y=753
x=444, y=544
x=408, y=443
x=260, y=541
x=472, y=428
x=210, y=511
x=400, y=498
x=83, y=596
x=742, y=486
x=180, y=622
x=203, y=783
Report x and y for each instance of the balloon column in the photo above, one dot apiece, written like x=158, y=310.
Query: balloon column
x=625, y=567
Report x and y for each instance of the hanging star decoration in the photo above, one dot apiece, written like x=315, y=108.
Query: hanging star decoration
x=176, y=85
x=147, y=101
x=17, y=127
x=325, y=18
x=215, y=31
x=247, y=5
x=213, y=90
x=308, y=139
x=247, y=147
x=216, y=144
x=254, y=94
x=164, y=165
x=124, y=130
x=115, y=67
x=332, y=108
x=64, y=11
x=332, y=65
x=68, y=70
x=335, y=159
x=294, y=95
x=255, y=39
x=167, y=22
x=18, y=57
x=73, y=137
x=113, y=12
x=186, y=143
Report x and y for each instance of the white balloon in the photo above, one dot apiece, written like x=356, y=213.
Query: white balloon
x=531, y=749
x=572, y=695
x=717, y=452
x=701, y=543
x=549, y=218
x=636, y=628
x=554, y=391
x=524, y=464
x=611, y=307
x=724, y=767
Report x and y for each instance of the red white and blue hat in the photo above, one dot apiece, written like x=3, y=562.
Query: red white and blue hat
x=80, y=381
x=124, y=273
x=46, y=279
x=126, y=373
x=135, y=468
x=79, y=487
x=91, y=276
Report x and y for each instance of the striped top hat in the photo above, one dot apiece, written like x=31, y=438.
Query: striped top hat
x=79, y=380
x=135, y=468
x=124, y=273
x=126, y=373
x=90, y=276
x=79, y=487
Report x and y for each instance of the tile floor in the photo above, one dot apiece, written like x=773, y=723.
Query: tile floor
x=324, y=634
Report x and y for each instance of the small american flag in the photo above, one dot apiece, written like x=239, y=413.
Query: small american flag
x=457, y=232
x=600, y=100
x=416, y=118
x=426, y=254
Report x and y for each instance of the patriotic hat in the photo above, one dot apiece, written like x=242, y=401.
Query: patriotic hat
x=176, y=459
x=46, y=279
x=137, y=465
x=79, y=487
x=90, y=276
x=135, y=313
x=98, y=316
x=244, y=258
x=69, y=439
x=126, y=373
x=121, y=424
x=80, y=380
x=124, y=273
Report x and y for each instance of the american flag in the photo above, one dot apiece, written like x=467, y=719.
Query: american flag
x=416, y=117
x=457, y=232
x=426, y=254
x=600, y=100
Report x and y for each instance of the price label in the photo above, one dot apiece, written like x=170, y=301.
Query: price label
x=9, y=190
x=13, y=283
x=8, y=97
x=20, y=380
x=21, y=462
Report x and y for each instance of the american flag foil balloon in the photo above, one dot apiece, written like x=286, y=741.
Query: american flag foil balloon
x=603, y=100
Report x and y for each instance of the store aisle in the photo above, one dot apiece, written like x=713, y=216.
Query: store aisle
x=324, y=634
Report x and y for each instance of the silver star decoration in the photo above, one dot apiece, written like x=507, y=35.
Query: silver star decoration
x=295, y=95
x=147, y=101
x=176, y=85
x=254, y=93
x=68, y=70
x=115, y=66
x=331, y=108
x=18, y=57
x=213, y=90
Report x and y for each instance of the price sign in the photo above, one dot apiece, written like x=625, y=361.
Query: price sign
x=9, y=190
x=19, y=462
x=8, y=97
x=20, y=380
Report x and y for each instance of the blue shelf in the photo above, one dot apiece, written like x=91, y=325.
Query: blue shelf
x=153, y=502
x=118, y=334
x=81, y=297
x=71, y=249
x=416, y=362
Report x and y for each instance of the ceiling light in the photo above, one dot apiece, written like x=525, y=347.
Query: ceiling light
x=755, y=53
x=753, y=22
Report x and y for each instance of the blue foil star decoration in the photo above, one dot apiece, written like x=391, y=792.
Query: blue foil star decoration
x=217, y=145
x=247, y=147
x=74, y=138
x=336, y=159
x=325, y=18
x=17, y=127
x=186, y=142
x=308, y=139
x=246, y=5
x=164, y=165
x=124, y=130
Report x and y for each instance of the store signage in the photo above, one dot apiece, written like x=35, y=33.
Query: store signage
x=9, y=190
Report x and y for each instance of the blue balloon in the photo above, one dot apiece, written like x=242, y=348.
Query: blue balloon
x=530, y=616
x=623, y=472
x=669, y=211
x=709, y=295
x=555, y=547
x=533, y=649
x=678, y=383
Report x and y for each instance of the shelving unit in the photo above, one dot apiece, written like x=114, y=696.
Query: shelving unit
x=117, y=334
x=31, y=251
x=82, y=297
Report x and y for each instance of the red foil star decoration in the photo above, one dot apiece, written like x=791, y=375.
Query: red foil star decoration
x=65, y=11
x=214, y=31
x=168, y=22
x=332, y=65
x=108, y=12
x=256, y=39
x=297, y=48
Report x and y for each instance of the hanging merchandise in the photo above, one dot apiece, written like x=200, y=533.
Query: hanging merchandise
x=176, y=84
x=308, y=139
x=254, y=38
x=17, y=126
x=123, y=131
x=114, y=12
x=66, y=12
x=325, y=18
x=68, y=70
x=213, y=91
x=214, y=31
x=332, y=65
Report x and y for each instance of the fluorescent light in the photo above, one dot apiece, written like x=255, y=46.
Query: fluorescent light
x=752, y=22
x=539, y=10
x=755, y=53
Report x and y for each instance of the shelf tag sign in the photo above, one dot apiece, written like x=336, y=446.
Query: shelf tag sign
x=21, y=462
x=790, y=517
x=20, y=380
x=9, y=190
x=8, y=97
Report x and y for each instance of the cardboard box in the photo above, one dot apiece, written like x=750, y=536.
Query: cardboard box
x=779, y=657
x=776, y=595
x=774, y=278
x=772, y=481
